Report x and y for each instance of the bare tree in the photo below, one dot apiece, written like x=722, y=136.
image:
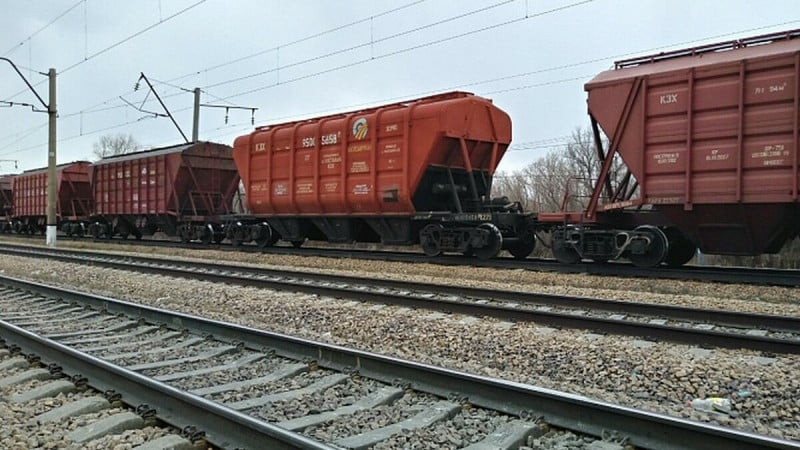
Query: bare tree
x=111, y=145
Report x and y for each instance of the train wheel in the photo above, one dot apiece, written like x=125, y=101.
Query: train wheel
x=523, y=248
x=494, y=242
x=564, y=253
x=681, y=249
x=183, y=234
x=266, y=236
x=656, y=251
x=430, y=239
x=207, y=235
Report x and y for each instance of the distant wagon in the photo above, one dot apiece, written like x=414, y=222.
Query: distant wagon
x=73, y=195
x=6, y=203
x=179, y=190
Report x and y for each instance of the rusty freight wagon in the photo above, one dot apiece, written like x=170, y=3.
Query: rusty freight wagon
x=710, y=138
x=416, y=171
x=6, y=203
x=73, y=195
x=179, y=190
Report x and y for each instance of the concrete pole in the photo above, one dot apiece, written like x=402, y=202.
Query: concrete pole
x=52, y=221
x=196, y=121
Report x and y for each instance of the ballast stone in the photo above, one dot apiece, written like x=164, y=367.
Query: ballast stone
x=83, y=406
x=110, y=425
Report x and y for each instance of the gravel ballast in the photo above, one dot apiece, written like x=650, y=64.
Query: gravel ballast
x=655, y=376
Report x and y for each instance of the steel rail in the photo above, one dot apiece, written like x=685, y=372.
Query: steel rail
x=718, y=274
x=223, y=427
x=693, y=336
x=573, y=412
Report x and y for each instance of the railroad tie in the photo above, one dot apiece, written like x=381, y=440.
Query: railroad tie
x=183, y=344
x=318, y=386
x=14, y=363
x=168, y=442
x=95, y=339
x=124, y=343
x=110, y=425
x=281, y=372
x=85, y=405
x=28, y=375
x=50, y=389
x=48, y=322
x=382, y=396
x=221, y=350
x=39, y=315
x=111, y=329
x=241, y=362
x=510, y=435
x=435, y=413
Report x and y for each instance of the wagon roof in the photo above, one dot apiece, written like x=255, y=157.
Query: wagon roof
x=60, y=166
x=725, y=52
x=154, y=152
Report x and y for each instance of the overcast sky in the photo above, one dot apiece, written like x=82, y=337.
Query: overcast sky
x=298, y=59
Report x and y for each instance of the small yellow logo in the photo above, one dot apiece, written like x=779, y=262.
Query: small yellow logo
x=360, y=128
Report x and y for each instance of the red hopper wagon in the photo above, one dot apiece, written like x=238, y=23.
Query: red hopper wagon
x=6, y=203
x=181, y=190
x=415, y=171
x=710, y=138
x=73, y=195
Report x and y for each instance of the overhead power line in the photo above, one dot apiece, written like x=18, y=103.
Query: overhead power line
x=407, y=49
x=92, y=109
x=118, y=43
x=474, y=83
x=303, y=39
x=365, y=44
x=32, y=35
x=132, y=36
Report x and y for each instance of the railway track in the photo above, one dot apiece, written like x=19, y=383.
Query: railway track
x=702, y=327
x=254, y=389
x=70, y=413
x=741, y=275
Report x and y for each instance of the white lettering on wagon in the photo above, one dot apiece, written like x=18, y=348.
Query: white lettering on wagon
x=716, y=155
x=668, y=98
x=770, y=89
x=326, y=139
x=666, y=158
x=772, y=155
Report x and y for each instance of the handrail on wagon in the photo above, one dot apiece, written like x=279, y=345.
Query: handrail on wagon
x=709, y=48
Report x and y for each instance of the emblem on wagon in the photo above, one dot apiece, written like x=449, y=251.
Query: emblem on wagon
x=360, y=128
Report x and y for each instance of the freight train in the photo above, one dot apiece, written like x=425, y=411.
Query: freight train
x=708, y=135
